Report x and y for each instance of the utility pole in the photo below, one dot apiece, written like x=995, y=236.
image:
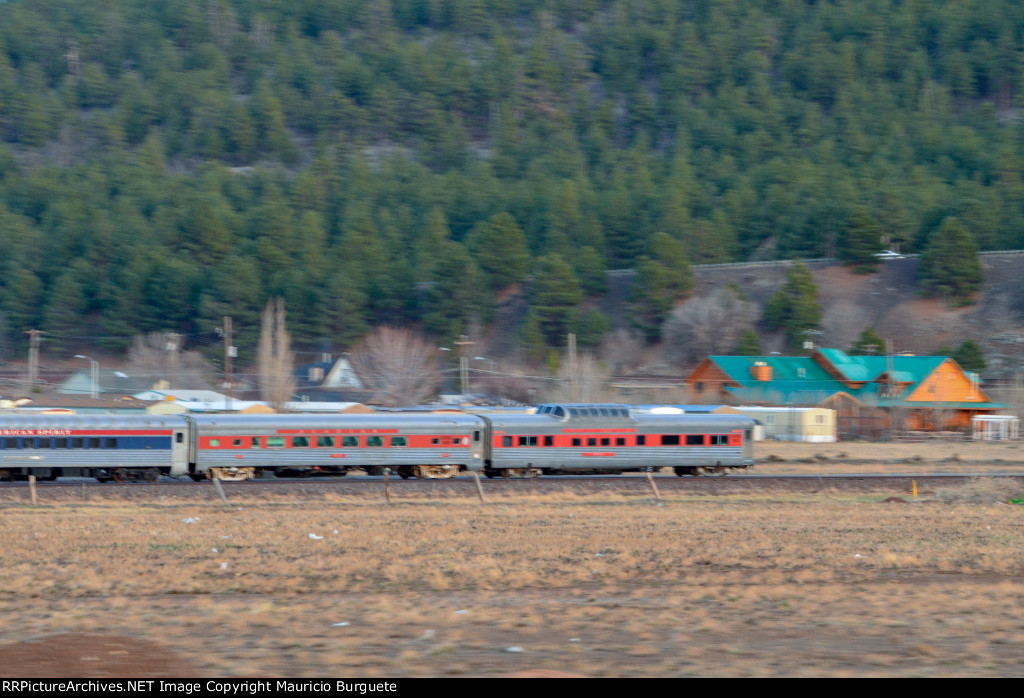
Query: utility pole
x=33, y=358
x=229, y=353
x=463, y=362
x=574, y=379
x=172, y=347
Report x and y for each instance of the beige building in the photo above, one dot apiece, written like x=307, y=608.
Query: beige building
x=812, y=424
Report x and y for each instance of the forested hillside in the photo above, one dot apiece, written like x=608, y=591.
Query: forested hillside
x=163, y=165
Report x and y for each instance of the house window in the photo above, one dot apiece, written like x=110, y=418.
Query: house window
x=819, y=419
x=700, y=387
x=769, y=419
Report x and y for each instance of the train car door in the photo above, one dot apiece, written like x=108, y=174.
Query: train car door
x=179, y=450
x=481, y=444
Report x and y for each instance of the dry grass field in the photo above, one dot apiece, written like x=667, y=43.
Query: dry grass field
x=598, y=585
x=932, y=456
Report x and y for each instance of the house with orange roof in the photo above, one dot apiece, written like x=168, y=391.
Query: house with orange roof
x=872, y=395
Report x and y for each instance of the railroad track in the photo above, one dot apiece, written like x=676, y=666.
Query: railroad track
x=370, y=488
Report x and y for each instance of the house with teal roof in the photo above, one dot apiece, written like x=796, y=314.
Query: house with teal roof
x=871, y=394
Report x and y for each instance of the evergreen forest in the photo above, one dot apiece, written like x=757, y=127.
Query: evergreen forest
x=413, y=162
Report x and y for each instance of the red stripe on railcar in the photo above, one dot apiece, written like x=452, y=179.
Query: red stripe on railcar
x=85, y=432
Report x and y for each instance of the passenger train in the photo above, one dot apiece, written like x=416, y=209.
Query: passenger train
x=556, y=439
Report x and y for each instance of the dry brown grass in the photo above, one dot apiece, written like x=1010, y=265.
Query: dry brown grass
x=933, y=456
x=600, y=585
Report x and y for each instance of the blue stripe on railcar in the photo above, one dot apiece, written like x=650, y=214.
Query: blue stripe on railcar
x=138, y=443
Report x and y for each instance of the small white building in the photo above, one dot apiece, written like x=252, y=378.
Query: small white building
x=995, y=427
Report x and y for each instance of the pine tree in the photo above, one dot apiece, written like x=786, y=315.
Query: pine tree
x=794, y=308
x=859, y=241
x=750, y=343
x=499, y=246
x=554, y=295
x=970, y=356
x=950, y=267
x=870, y=342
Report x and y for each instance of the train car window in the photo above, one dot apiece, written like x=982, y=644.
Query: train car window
x=435, y=441
x=236, y=443
x=180, y=437
x=94, y=442
x=606, y=442
x=255, y=441
x=641, y=440
x=719, y=439
x=214, y=443
x=12, y=443
x=44, y=443
x=350, y=441
x=77, y=443
x=559, y=412
x=476, y=437
x=506, y=441
x=592, y=442
x=670, y=440
x=604, y=412
x=325, y=441
x=620, y=441
x=694, y=439
x=577, y=442
x=399, y=441
x=110, y=443
x=575, y=412
x=549, y=441
x=60, y=443
x=275, y=442
x=372, y=441
x=28, y=443
x=300, y=441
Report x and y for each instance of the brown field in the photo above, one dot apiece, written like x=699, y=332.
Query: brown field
x=931, y=456
x=829, y=584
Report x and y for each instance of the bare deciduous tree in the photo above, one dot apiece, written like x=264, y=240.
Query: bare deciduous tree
x=622, y=350
x=398, y=366
x=158, y=357
x=842, y=324
x=705, y=326
x=276, y=365
x=591, y=379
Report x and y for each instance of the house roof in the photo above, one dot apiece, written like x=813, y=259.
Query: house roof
x=803, y=380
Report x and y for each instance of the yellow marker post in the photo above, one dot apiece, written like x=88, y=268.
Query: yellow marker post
x=915, y=488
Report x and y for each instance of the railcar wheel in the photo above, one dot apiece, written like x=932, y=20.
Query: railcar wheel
x=700, y=470
x=120, y=476
x=405, y=472
x=151, y=476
